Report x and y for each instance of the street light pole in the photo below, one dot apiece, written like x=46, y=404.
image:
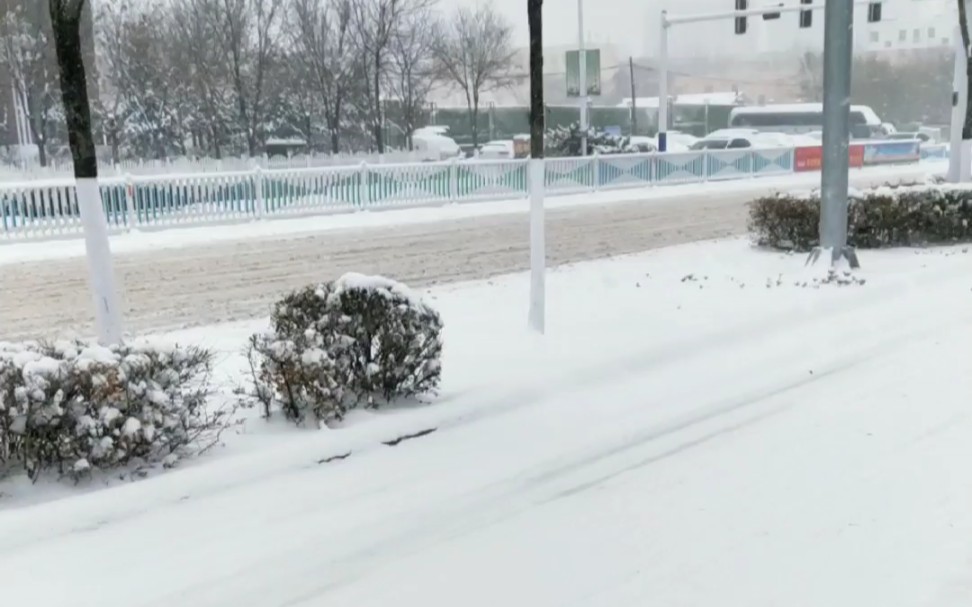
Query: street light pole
x=582, y=76
x=838, y=48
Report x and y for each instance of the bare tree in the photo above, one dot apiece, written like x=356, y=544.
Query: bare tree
x=412, y=74
x=66, y=18
x=249, y=31
x=26, y=48
x=233, y=49
x=376, y=24
x=111, y=32
x=474, y=51
x=196, y=49
x=324, y=48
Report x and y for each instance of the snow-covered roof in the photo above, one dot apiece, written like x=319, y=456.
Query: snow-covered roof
x=692, y=99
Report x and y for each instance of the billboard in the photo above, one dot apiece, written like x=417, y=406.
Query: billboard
x=593, y=71
x=891, y=152
x=810, y=158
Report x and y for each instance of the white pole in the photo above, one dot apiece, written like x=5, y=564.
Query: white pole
x=108, y=311
x=582, y=76
x=959, y=96
x=663, y=84
x=538, y=260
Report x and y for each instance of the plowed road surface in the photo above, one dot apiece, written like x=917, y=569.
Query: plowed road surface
x=198, y=285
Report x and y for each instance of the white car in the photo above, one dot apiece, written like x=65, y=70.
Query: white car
x=498, y=150
x=731, y=139
x=677, y=141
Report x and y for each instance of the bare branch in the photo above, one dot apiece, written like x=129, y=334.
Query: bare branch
x=474, y=51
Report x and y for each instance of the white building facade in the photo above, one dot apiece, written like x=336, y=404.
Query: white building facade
x=905, y=25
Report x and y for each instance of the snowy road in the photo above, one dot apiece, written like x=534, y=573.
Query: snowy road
x=788, y=446
x=199, y=285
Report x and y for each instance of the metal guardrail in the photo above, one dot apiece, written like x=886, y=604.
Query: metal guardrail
x=38, y=210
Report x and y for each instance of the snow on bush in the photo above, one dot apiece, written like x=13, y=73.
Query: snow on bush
x=564, y=141
x=879, y=217
x=358, y=340
x=74, y=406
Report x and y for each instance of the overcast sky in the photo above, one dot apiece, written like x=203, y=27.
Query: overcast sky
x=622, y=22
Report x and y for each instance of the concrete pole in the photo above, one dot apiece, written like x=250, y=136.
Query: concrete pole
x=663, y=83
x=582, y=76
x=959, y=99
x=838, y=48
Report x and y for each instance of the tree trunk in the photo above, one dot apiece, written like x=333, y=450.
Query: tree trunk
x=74, y=90
x=113, y=129
x=534, y=11
x=379, y=134
x=538, y=260
x=37, y=132
x=964, y=27
x=475, y=121
x=334, y=125
x=66, y=22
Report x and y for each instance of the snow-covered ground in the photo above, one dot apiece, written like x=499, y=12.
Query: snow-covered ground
x=702, y=425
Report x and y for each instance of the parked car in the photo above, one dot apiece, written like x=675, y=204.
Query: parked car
x=910, y=136
x=642, y=145
x=729, y=139
x=498, y=150
x=432, y=144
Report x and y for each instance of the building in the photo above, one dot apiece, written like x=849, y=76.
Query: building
x=14, y=129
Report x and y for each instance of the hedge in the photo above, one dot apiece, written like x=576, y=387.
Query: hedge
x=911, y=215
x=74, y=406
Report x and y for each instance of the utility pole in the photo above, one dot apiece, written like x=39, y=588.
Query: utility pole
x=538, y=261
x=582, y=76
x=838, y=48
x=663, y=84
x=634, y=103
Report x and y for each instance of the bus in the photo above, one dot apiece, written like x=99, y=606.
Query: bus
x=803, y=118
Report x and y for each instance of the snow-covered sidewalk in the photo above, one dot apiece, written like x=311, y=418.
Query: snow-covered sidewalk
x=701, y=425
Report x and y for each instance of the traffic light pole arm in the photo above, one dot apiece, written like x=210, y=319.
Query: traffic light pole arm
x=752, y=12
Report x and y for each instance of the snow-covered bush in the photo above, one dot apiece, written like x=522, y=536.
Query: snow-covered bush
x=76, y=406
x=880, y=217
x=358, y=340
x=563, y=141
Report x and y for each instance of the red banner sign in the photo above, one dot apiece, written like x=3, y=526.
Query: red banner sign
x=811, y=158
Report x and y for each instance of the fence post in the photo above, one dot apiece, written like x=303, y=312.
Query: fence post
x=596, y=170
x=130, y=202
x=364, y=189
x=706, y=166
x=454, y=180
x=258, y=181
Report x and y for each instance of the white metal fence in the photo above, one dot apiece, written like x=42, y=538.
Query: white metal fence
x=38, y=210
x=31, y=169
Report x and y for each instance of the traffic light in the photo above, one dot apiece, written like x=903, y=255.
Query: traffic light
x=806, y=17
x=873, y=12
x=771, y=16
x=741, y=5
